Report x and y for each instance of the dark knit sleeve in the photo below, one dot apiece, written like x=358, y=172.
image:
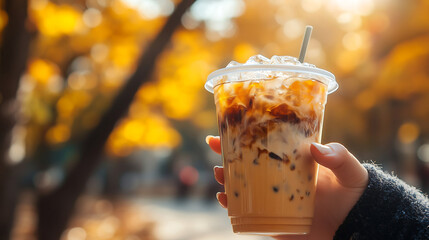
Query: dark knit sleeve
x=388, y=209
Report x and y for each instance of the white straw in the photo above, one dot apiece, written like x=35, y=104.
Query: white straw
x=304, y=45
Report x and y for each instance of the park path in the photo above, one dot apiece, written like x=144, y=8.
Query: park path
x=190, y=220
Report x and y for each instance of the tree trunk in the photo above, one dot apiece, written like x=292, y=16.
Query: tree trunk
x=13, y=60
x=56, y=208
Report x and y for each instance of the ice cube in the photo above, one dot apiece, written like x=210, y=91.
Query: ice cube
x=257, y=59
x=308, y=65
x=287, y=81
x=276, y=60
x=233, y=64
x=255, y=75
x=288, y=60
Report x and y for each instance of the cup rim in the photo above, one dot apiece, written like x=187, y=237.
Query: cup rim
x=332, y=83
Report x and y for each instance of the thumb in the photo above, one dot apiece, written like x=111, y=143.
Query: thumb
x=347, y=169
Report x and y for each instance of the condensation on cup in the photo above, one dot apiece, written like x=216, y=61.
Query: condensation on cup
x=269, y=112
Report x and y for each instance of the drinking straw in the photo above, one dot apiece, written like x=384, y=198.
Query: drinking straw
x=304, y=45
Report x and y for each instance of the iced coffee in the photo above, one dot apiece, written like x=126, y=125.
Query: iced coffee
x=269, y=112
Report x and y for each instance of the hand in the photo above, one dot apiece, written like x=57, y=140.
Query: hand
x=341, y=182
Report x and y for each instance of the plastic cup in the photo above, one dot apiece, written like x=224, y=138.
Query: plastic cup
x=268, y=115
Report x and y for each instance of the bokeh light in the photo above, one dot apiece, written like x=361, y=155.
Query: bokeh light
x=42, y=71
x=293, y=28
x=349, y=21
x=76, y=234
x=92, y=17
x=156, y=167
x=3, y=19
x=56, y=20
x=408, y=132
x=352, y=41
x=423, y=153
x=151, y=9
x=217, y=15
x=361, y=7
x=311, y=6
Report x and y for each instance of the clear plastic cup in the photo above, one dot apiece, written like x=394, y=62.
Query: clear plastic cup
x=268, y=115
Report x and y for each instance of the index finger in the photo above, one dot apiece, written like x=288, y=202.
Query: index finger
x=214, y=143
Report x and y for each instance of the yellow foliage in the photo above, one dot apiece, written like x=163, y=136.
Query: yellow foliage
x=182, y=73
x=65, y=108
x=146, y=131
x=82, y=81
x=55, y=20
x=41, y=71
x=148, y=94
x=179, y=102
x=39, y=112
x=71, y=102
x=112, y=78
x=80, y=99
x=159, y=133
x=205, y=119
x=120, y=10
x=133, y=131
x=117, y=146
x=408, y=132
x=243, y=51
x=3, y=19
x=58, y=134
x=181, y=107
x=111, y=37
x=124, y=52
x=404, y=71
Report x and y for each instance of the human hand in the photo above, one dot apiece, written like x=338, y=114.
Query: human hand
x=341, y=182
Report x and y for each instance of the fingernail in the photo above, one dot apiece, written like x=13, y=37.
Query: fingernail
x=222, y=202
x=208, y=138
x=322, y=148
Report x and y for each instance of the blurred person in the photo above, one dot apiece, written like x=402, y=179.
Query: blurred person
x=354, y=200
x=185, y=175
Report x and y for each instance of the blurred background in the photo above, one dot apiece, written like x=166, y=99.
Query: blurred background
x=103, y=112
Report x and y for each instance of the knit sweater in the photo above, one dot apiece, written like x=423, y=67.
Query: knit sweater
x=388, y=209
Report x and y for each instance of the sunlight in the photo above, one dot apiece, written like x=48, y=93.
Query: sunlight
x=293, y=28
x=311, y=5
x=151, y=9
x=76, y=234
x=361, y=7
x=17, y=150
x=3, y=19
x=352, y=41
x=41, y=70
x=56, y=20
x=349, y=21
x=92, y=17
x=243, y=51
x=217, y=15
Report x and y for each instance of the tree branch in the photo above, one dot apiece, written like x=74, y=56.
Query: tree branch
x=13, y=61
